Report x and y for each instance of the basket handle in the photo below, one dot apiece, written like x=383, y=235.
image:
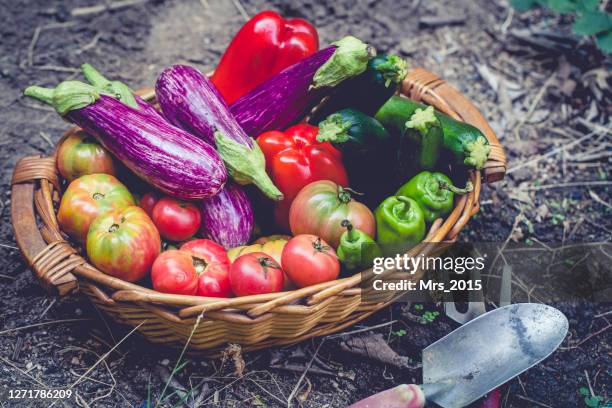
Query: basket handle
x=425, y=86
x=52, y=263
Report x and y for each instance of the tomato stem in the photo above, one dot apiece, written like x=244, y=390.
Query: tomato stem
x=318, y=246
x=266, y=263
x=199, y=264
x=97, y=196
x=344, y=194
x=113, y=228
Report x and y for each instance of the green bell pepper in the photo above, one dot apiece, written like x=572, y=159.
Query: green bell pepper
x=357, y=249
x=434, y=192
x=400, y=224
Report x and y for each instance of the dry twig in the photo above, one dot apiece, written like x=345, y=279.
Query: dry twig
x=42, y=324
x=297, y=386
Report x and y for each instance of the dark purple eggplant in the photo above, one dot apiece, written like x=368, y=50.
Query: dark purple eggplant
x=289, y=95
x=117, y=89
x=163, y=155
x=227, y=218
x=190, y=101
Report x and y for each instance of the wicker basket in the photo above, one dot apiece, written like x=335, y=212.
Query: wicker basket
x=254, y=322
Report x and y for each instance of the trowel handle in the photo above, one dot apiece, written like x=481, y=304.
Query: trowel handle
x=402, y=396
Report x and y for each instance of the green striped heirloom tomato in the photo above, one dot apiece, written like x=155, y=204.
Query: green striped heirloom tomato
x=123, y=243
x=321, y=206
x=86, y=198
x=80, y=154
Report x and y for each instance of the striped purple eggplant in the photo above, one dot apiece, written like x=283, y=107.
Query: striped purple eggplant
x=227, y=218
x=190, y=101
x=168, y=158
x=289, y=95
x=117, y=89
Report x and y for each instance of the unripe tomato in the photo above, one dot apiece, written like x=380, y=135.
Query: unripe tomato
x=80, y=155
x=321, y=206
x=86, y=198
x=273, y=248
x=123, y=243
x=308, y=260
x=176, y=220
x=254, y=274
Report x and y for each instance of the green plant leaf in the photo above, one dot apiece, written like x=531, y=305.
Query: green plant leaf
x=604, y=41
x=588, y=5
x=562, y=6
x=592, y=22
x=593, y=402
x=523, y=5
x=584, y=391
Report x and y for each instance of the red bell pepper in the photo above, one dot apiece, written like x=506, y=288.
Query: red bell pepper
x=295, y=158
x=263, y=47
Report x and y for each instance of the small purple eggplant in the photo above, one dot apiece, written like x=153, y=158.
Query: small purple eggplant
x=227, y=218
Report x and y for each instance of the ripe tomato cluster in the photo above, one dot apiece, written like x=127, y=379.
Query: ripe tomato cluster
x=125, y=241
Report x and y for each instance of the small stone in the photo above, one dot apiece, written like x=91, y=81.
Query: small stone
x=78, y=312
x=165, y=362
x=75, y=361
x=407, y=46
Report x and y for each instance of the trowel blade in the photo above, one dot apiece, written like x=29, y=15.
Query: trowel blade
x=490, y=350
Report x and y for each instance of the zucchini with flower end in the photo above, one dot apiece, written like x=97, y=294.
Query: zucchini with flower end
x=465, y=141
x=368, y=91
x=369, y=151
x=424, y=129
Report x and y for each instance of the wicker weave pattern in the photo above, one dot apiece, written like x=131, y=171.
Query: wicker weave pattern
x=255, y=321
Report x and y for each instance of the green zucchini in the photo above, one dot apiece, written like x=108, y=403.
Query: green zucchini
x=424, y=128
x=465, y=141
x=368, y=91
x=368, y=150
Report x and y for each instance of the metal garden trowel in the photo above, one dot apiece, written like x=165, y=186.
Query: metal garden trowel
x=479, y=356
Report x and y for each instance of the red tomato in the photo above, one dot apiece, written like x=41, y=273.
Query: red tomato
x=176, y=220
x=123, y=243
x=254, y=274
x=295, y=158
x=212, y=266
x=148, y=201
x=308, y=260
x=321, y=206
x=200, y=267
x=173, y=272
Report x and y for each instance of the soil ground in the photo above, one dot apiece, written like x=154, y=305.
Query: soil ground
x=540, y=88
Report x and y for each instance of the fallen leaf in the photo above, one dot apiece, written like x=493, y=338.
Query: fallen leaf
x=373, y=346
x=234, y=351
